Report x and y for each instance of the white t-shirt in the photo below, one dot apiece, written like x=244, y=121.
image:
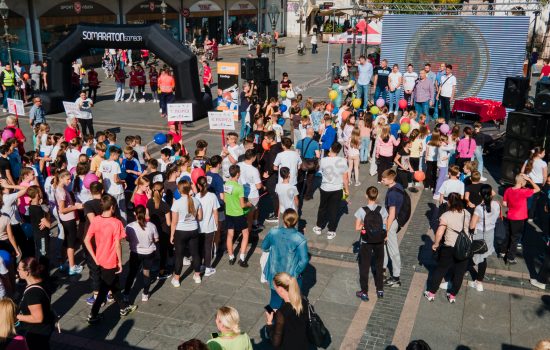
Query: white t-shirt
x=9, y=208
x=393, y=80
x=86, y=109
x=536, y=173
x=409, y=79
x=186, y=221
x=333, y=169
x=209, y=204
x=72, y=158
x=140, y=150
x=108, y=170
x=490, y=218
x=365, y=73
x=162, y=165
x=286, y=194
x=443, y=155
x=235, y=152
x=447, y=83
x=250, y=177
x=291, y=160
x=142, y=241
x=451, y=185
x=278, y=131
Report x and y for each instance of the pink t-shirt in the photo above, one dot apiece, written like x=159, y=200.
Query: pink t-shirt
x=516, y=199
x=385, y=149
x=106, y=231
x=62, y=195
x=24, y=201
x=140, y=199
x=466, y=148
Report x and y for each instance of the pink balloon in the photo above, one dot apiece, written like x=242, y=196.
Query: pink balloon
x=402, y=103
x=405, y=120
x=7, y=134
x=196, y=173
x=444, y=128
x=89, y=178
x=380, y=102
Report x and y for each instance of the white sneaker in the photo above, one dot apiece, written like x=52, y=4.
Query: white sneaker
x=186, y=261
x=134, y=100
x=128, y=100
x=197, y=279
x=317, y=230
x=483, y=179
x=142, y=100
x=331, y=234
x=175, y=282
x=209, y=272
x=4, y=110
x=476, y=285
x=144, y=297
x=357, y=183
x=436, y=197
x=160, y=110
x=537, y=284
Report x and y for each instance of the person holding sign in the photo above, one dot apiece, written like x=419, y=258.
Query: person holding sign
x=167, y=85
x=85, y=117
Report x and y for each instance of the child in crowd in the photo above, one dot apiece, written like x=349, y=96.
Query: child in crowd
x=287, y=194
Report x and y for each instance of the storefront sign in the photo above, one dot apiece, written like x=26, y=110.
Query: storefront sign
x=180, y=112
x=71, y=109
x=221, y=120
x=205, y=6
x=228, y=74
x=242, y=5
x=81, y=7
x=16, y=107
x=185, y=12
x=109, y=36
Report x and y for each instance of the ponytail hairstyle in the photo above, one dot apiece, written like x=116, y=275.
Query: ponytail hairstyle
x=229, y=318
x=434, y=141
x=486, y=193
x=158, y=188
x=290, y=284
x=184, y=187
x=385, y=134
x=61, y=175
x=140, y=216
x=202, y=185
x=535, y=152
x=81, y=170
x=142, y=180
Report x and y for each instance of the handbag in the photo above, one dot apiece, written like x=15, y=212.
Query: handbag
x=317, y=333
x=479, y=246
x=463, y=244
x=290, y=94
x=309, y=164
x=501, y=232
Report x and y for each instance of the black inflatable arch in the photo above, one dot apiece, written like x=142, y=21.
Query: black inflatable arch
x=126, y=36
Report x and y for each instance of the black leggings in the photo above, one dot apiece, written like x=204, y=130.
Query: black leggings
x=137, y=261
x=71, y=232
x=365, y=256
x=329, y=209
x=206, y=242
x=183, y=240
x=479, y=275
x=108, y=282
x=415, y=163
x=384, y=163
x=431, y=174
x=516, y=231
x=166, y=249
x=403, y=177
x=87, y=125
x=38, y=341
x=446, y=262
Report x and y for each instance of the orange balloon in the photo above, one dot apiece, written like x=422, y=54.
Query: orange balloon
x=419, y=175
x=222, y=107
x=345, y=115
x=265, y=145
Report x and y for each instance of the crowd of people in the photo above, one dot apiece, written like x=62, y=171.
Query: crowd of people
x=80, y=189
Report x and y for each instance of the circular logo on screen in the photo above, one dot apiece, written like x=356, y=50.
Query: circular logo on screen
x=455, y=41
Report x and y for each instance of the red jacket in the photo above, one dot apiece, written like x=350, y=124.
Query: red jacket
x=92, y=79
x=134, y=78
x=140, y=75
x=153, y=78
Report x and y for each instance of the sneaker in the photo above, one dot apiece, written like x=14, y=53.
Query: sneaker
x=380, y=294
x=4, y=110
x=197, y=279
x=94, y=319
x=75, y=270
x=317, y=230
x=128, y=310
x=520, y=246
x=362, y=295
x=232, y=261
x=476, y=285
x=160, y=110
x=429, y=295
x=451, y=298
x=529, y=221
x=511, y=261
x=163, y=276
x=483, y=179
x=175, y=282
x=357, y=183
x=272, y=218
x=435, y=197
x=186, y=261
x=393, y=282
x=142, y=100
x=128, y=100
x=537, y=284
x=91, y=300
x=501, y=255
x=243, y=263
x=110, y=298
x=144, y=297
x=331, y=234
x=209, y=272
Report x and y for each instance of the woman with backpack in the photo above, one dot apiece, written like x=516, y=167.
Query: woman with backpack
x=454, y=221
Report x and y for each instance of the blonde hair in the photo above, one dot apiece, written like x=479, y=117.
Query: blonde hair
x=7, y=319
x=385, y=133
x=289, y=283
x=355, y=140
x=290, y=218
x=229, y=318
x=543, y=345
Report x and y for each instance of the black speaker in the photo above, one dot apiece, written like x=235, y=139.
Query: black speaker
x=542, y=102
x=273, y=89
x=247, y=68
x=261, y=87
x=515, y=92
x=510, y=168
x=261, y=69
x=526, y=125
x=517, y=148
x=542, y=85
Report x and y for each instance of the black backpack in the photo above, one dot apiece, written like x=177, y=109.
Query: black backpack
x=373, y=226
x=404, y=213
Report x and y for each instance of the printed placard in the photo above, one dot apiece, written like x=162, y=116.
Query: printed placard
x=71, y=109
x=221, y=120
x=16, y=107
x=180, y=112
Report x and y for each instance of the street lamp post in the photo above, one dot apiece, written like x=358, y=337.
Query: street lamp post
x=7, y=37
x=355, y=10
x=163, y=8
x=273, y=14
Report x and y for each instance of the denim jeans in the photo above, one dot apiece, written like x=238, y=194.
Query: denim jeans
x=119, y=91
x=436, y=106
x=423, y=108
x=245, y=129
x=8, y=93
x=363, y=94
x=364, y=151
x=380, y=91
x=478, y=155
x=394, y=100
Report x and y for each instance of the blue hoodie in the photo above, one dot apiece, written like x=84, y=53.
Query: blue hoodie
x=328, y=138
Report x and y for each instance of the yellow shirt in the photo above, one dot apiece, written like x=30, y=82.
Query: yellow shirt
x=94, y=164
x=416, y=148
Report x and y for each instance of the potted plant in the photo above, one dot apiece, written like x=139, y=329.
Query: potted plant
x=281, y=48
x=265, y=47
x=328, y=29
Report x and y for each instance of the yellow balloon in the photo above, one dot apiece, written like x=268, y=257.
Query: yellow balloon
x=333, y=94
x=356, y=102
x=374, y=110
x=352, y=82
x=283, y=93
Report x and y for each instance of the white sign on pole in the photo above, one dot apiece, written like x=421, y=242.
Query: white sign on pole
x=16, y=107
x=71, y=109
x=180, y=112
x=221, y=120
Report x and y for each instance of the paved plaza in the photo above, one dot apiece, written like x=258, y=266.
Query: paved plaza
x=509, y=314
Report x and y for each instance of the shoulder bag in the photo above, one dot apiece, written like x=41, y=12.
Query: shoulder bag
x=317, y=333
x=309, y=164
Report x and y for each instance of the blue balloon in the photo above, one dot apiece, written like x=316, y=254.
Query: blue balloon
x=160, y=139
x=281, y=121
x=5, y=255
x=283, y=108
x=335, y=110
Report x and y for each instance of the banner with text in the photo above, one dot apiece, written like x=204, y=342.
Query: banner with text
x=16, y=107
x=221, y=120
x=180, y=112
x=71, y=109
